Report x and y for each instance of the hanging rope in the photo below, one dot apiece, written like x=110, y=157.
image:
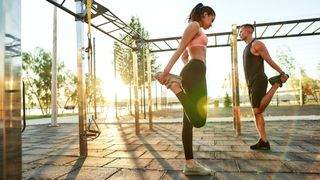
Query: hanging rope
x=89, y=48
x=89, y=16
x=92, y=130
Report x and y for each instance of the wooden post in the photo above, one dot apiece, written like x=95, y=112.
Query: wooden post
x=135, y=90
x=301, y=88
x=235, y=80
x=149, y=88
x=115, y=84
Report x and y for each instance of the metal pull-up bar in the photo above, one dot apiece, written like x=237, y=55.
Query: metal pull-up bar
x=310, y=27
x=104, y=21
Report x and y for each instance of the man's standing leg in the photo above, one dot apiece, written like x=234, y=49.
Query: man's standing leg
x=260, y=100
x=263, y=142
x=258, y=112
x=260, y=124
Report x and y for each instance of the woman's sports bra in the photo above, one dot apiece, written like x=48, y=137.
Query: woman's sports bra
x=201, y=40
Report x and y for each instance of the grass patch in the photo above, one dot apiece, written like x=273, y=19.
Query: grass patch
x=29, y=117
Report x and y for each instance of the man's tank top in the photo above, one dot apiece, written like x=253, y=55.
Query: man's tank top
x=253, y=65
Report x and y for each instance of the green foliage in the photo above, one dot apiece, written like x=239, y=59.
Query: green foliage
x=67, y=92
x=288, y=64
x=227, y=100
x=90, y=92
x=310, y=87
x=37, y=77
x=36, y=73
x=285, y=60
x=123, y=56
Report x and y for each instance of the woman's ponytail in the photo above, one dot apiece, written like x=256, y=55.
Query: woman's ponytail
x=198, y=11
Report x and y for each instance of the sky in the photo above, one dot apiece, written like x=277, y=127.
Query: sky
x=167, y=18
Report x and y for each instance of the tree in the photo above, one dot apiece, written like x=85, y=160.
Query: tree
x=67, y=91
x=124, y=61
x=310, y=87
x=285, y=60
x=124, y=56
x=90, y=93
x=36, y=73
x=288, y=64
x=227, y=100
x=37, y=77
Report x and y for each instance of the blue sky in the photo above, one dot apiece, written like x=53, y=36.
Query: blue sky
x=167, y=18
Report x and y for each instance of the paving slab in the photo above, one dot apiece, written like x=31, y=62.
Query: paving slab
x=48, y=172
x=304, y=166
x=125, y=174
x=262, y=166
x=118, y=153
x=129, y=163
x=90, y=173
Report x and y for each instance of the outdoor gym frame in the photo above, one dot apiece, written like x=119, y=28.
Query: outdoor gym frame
x=106, y=22
x=109, y=24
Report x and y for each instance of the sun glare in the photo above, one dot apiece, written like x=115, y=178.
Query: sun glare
x=113, y=87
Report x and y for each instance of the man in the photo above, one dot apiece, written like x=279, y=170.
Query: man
x=254, y=55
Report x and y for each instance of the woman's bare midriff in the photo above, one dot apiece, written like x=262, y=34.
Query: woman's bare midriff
x=198, y=52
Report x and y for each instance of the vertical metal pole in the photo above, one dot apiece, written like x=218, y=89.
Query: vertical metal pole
x=54, y=71
x=89, y=79
x=95, y=79
x=235, y=78
x=23, y=107
x=156, y=96
x=115, y=84
x=10, y=90
x=141, y=95
x=144, y=82
x=135, y=85
x=81, y=81
x=130, y=85
x=149, y=88
x=161, y=98
x=301, y=88
x=255, y=32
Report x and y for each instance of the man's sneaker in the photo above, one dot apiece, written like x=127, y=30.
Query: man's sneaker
x=276, y=79
x=197, y=169
x=261, y=145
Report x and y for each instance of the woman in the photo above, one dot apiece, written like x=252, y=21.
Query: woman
x=190, y=87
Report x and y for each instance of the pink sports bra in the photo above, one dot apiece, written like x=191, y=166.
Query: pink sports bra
x=201, y=40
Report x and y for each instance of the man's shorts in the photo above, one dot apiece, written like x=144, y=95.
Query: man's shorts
x=257, y=91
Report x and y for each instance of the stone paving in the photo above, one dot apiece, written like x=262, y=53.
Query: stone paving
x=53, y=152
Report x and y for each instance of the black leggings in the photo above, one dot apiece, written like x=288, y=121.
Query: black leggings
x=194, y=101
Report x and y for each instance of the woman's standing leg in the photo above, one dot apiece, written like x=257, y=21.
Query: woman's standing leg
x=187, y=137
x=193, y=100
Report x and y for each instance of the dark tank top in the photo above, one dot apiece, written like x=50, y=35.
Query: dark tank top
x=253, y=65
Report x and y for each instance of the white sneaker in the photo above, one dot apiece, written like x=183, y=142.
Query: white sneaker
x=197, y=169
